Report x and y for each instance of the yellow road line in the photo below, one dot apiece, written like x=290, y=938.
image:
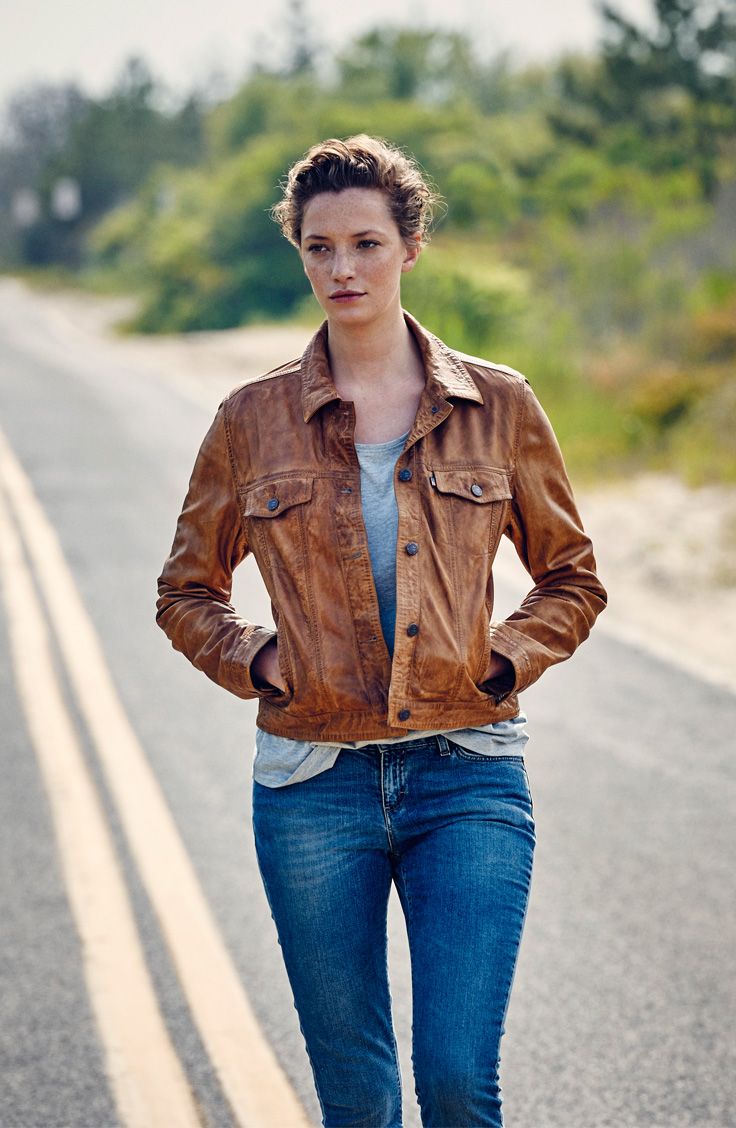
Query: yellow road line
x=148, y=1083
x=252, y=1079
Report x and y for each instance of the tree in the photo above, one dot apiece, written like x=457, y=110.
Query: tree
x=61, y=145
x=38, y=122
x=402, y=64
x=300, y=42
x=663, y=97
x=692, y=48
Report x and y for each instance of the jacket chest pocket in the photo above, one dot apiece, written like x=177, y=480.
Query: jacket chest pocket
x=274, y=515
x=468, y=507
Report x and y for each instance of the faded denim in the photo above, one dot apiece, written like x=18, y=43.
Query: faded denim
x=454, y=830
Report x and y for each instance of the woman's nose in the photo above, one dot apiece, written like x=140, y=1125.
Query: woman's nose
x=342, y=266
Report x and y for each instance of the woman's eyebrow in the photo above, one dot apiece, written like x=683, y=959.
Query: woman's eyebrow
x=355, y=235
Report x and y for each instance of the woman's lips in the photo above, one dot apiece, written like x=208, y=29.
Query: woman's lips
x=346, y=296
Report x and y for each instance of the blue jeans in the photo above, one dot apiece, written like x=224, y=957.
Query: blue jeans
x=455, y=831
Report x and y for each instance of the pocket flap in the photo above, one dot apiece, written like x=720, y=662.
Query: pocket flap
x=480, y=485
x=270, y=499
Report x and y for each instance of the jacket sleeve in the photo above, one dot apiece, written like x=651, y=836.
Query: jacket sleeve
x=545, y=527
x=194, y=588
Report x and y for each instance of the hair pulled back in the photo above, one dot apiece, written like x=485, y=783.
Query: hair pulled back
x=358, y=162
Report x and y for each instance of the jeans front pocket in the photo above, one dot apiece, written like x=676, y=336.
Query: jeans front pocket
x=511, y=761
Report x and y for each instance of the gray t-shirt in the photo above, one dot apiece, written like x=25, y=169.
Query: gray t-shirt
x=381, y=517
x=279, y=760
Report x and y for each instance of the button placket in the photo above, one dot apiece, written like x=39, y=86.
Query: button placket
x=407, y=578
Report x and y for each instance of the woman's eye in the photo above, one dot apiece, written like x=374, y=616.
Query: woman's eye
x=367, y=243
x=315, y=248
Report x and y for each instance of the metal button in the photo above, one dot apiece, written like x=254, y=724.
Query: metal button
x=412, y=548
x=412, y=630
x=404, y=714
x=435, y=409
x=476, y=490
x=272, y=503
x=405, y=474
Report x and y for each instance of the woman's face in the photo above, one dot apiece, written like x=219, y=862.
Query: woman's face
x=354, y=255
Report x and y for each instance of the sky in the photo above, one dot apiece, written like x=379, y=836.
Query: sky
x=187, y=41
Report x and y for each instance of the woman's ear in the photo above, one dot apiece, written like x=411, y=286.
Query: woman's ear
x=413, y=250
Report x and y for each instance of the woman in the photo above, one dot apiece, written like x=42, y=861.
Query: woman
x=372, y=479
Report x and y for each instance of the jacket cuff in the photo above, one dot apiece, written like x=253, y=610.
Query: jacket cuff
x=254, y=641
x=506, y=642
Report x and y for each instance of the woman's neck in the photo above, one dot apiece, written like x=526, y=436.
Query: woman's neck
x=382, y=375
x=373, y=356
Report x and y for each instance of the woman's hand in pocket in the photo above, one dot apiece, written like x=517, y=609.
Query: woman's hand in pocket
x=500, y=673
x=265, y=669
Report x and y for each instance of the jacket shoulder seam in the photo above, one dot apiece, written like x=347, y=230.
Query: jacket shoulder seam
x=525, y=390
x=293, y=368
x=492, y=365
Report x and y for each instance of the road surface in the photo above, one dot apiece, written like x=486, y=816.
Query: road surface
x=142, y=982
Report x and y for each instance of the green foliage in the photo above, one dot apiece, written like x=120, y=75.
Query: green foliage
x=404, y=64
x=468, y=311
x=265, y=104
x=692, y=48
x=106, y=148
x=114, y=145
x=588, y=232
x=484, y=198
x=205, y=245
x=665, y=97
x=702, y=448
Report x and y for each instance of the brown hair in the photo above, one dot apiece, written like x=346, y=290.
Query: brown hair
x=358, y=162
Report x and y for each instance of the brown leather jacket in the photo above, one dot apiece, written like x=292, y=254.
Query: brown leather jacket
x=277, y=475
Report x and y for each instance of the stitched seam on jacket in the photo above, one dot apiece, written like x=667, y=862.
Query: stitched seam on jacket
x=525, y=390
x=311, y=625
x=459, y=632
x=233, y=474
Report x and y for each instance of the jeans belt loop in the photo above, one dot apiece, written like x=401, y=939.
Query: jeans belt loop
x=444, y=745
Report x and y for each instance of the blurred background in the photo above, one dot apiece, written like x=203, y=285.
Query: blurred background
x=586, y=153
x=587, y=157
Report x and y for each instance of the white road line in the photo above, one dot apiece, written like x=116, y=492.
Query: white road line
x=147, y=1081
x=252, y=1079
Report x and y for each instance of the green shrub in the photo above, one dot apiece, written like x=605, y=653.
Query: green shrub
x=467, y=313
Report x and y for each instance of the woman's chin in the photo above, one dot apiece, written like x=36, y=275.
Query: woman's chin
x=352, y=314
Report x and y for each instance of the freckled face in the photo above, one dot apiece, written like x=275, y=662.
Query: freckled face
x=354, y=256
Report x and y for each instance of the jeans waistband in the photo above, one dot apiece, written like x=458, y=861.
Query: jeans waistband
x=439, y=740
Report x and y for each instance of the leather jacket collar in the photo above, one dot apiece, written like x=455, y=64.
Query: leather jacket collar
x=445, y=375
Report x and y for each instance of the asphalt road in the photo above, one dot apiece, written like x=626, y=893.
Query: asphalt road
x=623, y=1009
